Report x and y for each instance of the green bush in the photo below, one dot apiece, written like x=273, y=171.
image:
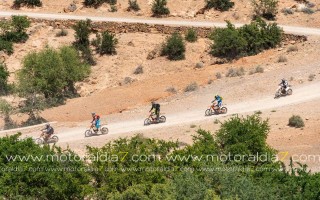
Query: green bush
x=97, y=3
x=267, y=9
x=31, y=3
x=6, y=110
x=105, y=43
x=296, y=121
x=159, y=7
x=250, y=39
x=221, y=5
x=4, y=75
x=133, y=5
x=61, y=33
x=174, y=48
x=191, y=35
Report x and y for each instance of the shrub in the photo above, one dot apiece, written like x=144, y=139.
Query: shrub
x=191, y=35
x=6, y=110
x=221, y=5
x=133, y=5
x=172, y=90
x=292, y=48
x=258, y=69
x=218, y=75
x=311, y=77
x=191, y=87
x=62, y=33
x=159, y=7
x=282, y=58
x=232, y=72
x=307, y=10
x=14, y=31
x=227, y=42
x=174, y=48
x=31, y=3
x=113, y=8
x=287, y=11
x=138, y=70
x=296, y=121
x=4, y=75
x=106, y=43
x=199, y=65
x=93, y=3
x=6, y=46
x=267, y=9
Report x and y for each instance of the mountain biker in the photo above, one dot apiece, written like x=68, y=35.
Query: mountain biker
x=48, y=131
x=155, y=109
x=284, y=84
x=96, y=123
x=218, y=98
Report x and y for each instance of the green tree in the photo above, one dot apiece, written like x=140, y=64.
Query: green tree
x=174, y=47
x=159, y=7
x=4, y=75
x=133, y=5
x=221, y=5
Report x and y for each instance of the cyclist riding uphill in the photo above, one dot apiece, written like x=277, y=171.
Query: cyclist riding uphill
x=155, y=109
x=48, y=131
x=284, y=84
x=217, y=98
x=96, y=123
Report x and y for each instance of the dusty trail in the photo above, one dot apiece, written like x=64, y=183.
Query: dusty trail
x=288, y=29
x=300, y=95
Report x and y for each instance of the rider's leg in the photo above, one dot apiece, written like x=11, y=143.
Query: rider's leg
x=158, y=114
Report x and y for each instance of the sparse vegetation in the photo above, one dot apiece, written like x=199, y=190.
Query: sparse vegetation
x=282, y=58
x=191, y=87
x=216, y=121
x=257, y=69
x=273, y=111
x=210, y=81
x=29, y=3
x=311, y=77
x=292, y=48
x=128, y=80
x=172, y=90
x=174, y=47
x=113, y=8
x=191, y=35
x=267, y=9
x=232, y=43
x=97, y=3
x=193, y=126
x=62, y=32
x=6, y=110
x=159, y=8
x=296, y=121
x=234, y=72
x=221, y=5
x=133, y=5
x=138, y=70
x=218, y=75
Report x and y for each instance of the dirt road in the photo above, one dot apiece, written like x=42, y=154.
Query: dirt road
x=302, y=94
x=288, y=29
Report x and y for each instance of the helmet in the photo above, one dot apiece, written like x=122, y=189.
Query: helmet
x=283, y=79
x=216, y=95
x=93, y=114
x=153, y=102
x=47, y=125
